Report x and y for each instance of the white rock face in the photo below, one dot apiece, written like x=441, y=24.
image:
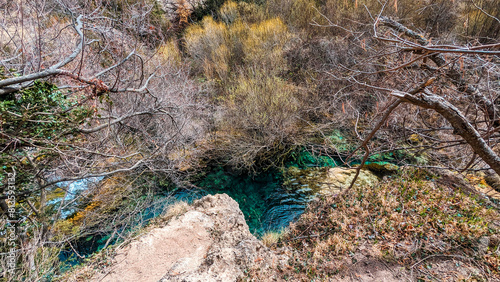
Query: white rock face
x=210, y=242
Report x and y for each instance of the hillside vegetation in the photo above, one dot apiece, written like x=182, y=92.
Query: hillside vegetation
x=414, y=224
x=138, y=100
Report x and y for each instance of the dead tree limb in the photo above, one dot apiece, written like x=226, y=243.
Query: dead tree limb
x=384, y=118
x=451, y=72
x=13, y=84
x=457, y=120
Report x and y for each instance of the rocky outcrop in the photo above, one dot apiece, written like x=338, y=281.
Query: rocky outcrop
x=210, y=242
x=381, y=167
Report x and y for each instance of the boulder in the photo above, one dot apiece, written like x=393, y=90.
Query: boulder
x=338, y=179
x=382, y=167
x=210, y=242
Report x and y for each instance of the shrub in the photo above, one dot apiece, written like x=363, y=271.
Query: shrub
x=251, y=13
x=271, y=238
x=217, y=48
x=263, y=104
x=265, y=43
x=298, y=14
x=385, y=221
x=245, y=54
x=433, y=17
x=206, y=43
x=478, y=24
x=229, y=12
x=169, y=53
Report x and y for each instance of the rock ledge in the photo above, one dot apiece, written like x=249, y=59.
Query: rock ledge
x=210, y=242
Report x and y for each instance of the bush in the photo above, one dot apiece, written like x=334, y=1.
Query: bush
x=478, y=24
x=265, y=43
x=263, y=104
x=206, y=43
x=229, y=12
x=298, y=14
x=217, y=48
x=169, y=53
x=385, y=221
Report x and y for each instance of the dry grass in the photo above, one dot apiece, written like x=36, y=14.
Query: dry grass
x=403, y=221
x=271, y=238
x=175, y=210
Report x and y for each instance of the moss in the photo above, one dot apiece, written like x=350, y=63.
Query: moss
x=305, y=159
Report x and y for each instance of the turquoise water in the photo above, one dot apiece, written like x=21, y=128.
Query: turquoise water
x=265, y=203
x=262, y=199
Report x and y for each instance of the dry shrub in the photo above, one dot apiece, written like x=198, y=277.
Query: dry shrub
x=229, y=12
x=169, y=53
x=430, y=16
x=435, y=17
x=403, y=220
x=271, y=238
x=245, y=55
x=206, y=43
x=349, y=13
x=252, y=13
x=477, y=23
x=217, y=47
x=299, y=14
x=265, y=43
x=175, y=210
x=303, y=12
x=263, y=104
x=260, y=117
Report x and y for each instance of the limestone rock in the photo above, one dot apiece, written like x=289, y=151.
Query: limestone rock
x=210, y=242
x=383, y=168
x=339, y=178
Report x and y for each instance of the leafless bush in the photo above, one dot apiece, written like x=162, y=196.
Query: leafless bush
x=135, y=103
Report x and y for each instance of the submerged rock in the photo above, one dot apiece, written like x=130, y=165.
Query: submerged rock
x=210, y=242
x=329, y=181
x=338, y=179
x=304, y=181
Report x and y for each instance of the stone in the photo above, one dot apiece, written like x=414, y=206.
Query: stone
x=338, y=179
x=384, y=168
x=210, y=242
x=493, y=180
x=482, y=245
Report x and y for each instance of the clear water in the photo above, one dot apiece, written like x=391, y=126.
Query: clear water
x=262, y=199
x=265, y=202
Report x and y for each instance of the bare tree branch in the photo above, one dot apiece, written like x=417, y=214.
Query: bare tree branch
x=53, y=70
x=459, y=122
x=451, y=72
